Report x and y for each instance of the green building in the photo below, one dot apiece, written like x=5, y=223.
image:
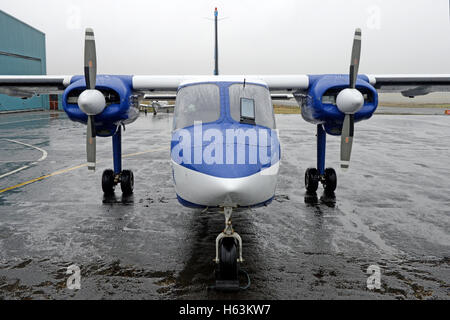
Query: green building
x=22, y=52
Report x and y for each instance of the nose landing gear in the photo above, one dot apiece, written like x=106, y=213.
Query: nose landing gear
x=228, y=256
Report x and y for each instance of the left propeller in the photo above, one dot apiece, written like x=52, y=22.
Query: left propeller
x=91, y=101
x=349, y=101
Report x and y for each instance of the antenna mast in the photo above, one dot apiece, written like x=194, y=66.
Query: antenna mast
x=216, y=55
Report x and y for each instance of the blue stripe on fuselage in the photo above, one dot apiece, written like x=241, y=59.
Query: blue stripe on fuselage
x=236, y=158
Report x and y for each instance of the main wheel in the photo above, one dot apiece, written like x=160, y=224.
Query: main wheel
x=312, y=180
x=127, y=182
x=108, y=181
x=330, y=180
x=228, y=255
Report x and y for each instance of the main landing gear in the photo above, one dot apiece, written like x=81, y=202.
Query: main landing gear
x=228, y=256
x=314, y=176
x=328, y=180
x=111, y=178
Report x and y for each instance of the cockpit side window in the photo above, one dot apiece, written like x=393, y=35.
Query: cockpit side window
x=199, y=102
x=248, y=99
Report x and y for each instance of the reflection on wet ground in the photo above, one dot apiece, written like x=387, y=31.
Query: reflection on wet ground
x=390, y=210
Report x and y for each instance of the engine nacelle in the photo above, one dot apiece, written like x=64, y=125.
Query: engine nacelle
x=319, y=106
x=120, y=108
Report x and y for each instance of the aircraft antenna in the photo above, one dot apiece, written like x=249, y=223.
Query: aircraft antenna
x=216, y=54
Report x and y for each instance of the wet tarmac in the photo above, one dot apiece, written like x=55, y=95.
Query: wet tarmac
x=391, y=210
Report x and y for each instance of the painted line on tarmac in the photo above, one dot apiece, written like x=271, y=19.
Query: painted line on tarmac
x=69, y=170
x=42, y=178
x=15, y=161
x=44, y=156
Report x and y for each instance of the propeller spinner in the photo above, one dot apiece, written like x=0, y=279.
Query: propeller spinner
x=91, y=101
x=349, y=101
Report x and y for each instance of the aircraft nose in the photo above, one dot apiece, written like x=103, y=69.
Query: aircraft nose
x=211, y=191
x=221, y=166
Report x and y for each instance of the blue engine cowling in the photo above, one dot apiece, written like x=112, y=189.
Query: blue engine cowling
x=319, y=106
x=120, y=107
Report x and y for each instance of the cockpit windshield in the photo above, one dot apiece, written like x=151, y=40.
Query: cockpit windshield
x=199, y=102
x=251, y=103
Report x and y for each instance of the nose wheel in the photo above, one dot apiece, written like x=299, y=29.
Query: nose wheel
x=328, y=180
x=228, y=256
x=227, y=272
x=111, y=180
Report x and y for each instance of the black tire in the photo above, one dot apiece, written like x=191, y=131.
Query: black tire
x=127, y=182
x=312, y=180
x=330, y=180
x=108, y=181
x=228, y=255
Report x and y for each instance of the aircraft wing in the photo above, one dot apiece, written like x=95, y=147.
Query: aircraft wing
x=149, y=84
x=161, y=97
x=411, y=85
x=408, y=85
x=163, y=87
x=173, y=96
x=156, y=87
x=28, y=86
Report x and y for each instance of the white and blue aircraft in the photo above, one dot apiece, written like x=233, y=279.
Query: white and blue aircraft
x=225, y=147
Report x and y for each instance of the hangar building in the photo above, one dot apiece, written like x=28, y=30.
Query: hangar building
x=22, y=52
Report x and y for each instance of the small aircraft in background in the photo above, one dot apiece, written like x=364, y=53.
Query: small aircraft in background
x=157, y=106
x=225, y=150
x=158, y=103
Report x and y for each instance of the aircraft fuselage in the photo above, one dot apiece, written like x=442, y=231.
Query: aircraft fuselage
x=225, y=148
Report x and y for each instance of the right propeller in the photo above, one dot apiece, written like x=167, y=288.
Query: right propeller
x=91, y=101
x=349, y=101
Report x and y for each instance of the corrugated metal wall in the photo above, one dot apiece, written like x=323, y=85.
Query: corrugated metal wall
x=22, y=52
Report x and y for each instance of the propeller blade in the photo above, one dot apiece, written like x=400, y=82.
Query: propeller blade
x=347, y=140
x=90, y=59
x=356, y=56
x=91, y=147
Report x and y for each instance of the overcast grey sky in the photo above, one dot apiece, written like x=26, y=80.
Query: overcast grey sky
x=258, y=36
